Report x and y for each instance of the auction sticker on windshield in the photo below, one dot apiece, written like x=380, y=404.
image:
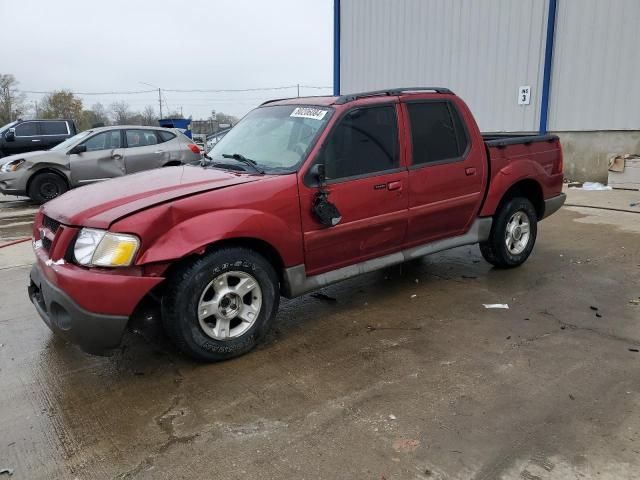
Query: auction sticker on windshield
x=308, y=112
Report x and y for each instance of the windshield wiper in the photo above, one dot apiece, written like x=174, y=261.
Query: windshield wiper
x=247, y=161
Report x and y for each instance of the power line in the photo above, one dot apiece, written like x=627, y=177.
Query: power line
x=178, y=90
x=90, y=93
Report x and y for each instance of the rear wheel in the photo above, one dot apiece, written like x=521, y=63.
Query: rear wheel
x=46, y=186
x=221, y=305
x=513, y=234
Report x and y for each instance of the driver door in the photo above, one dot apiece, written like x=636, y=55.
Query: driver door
x=103, y=159
x=367, y=183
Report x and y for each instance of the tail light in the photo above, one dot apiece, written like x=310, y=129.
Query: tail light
x=560, y=164
x=194, y=148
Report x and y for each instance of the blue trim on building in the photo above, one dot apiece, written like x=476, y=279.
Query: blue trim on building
x=336, y=47
x=548, y=57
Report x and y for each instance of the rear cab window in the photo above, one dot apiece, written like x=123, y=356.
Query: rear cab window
x=437, y=133
x=54, y=128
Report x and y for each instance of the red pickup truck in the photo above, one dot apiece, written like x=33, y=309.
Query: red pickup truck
x=302, y=193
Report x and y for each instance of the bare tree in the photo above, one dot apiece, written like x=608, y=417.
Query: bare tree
x=100, y=113
x=148, y=116
x=12, y=102
x=120, y=113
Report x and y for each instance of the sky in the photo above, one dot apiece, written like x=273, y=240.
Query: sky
x=113, y=46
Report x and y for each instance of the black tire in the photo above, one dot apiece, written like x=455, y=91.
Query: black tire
x=46, y=186
x=495, y=249
x=186, y=286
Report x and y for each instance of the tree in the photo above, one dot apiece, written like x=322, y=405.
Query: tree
x=100, y=113
x=120, y=113
x=223, y=118
x=148, y=116
x=97, y=115
x=12, y=102
x=61, y=104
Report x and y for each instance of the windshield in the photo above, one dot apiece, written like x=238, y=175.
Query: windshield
x=276, y=138
x=7, y=127
x=69, y=142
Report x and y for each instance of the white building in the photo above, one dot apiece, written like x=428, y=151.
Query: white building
x=580, y=60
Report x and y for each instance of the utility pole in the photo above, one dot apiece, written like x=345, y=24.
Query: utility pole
x=160, y=100
x=36, y=105
x=298, y=90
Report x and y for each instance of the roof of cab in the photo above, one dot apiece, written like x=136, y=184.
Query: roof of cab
x=342, y=99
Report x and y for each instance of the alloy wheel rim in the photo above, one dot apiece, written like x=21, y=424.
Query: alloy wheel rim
x=229, y=305
x=518, y=233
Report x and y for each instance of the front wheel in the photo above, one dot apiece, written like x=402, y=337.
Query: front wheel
x=221, y=305
x=513, y=234
x=46, y=186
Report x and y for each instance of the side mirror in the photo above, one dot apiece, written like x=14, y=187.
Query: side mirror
x=78, y=149
x=10, y=136
x=317, y=172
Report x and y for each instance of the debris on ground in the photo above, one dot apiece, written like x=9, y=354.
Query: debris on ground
x=634, y=350
x=8, y=471
x=635, y=301
x=414, y=295
x=392, y=417
x=598, y=315
x=593, y=308
x=417, y=281
x=406, y=445
x=496, y=305
x=322, y=296
x=593, y=186
x=572, y=397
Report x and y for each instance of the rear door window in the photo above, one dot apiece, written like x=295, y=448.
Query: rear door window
x=437, y=132
x=365, y=141
x=27, y=129
x=54, y=128
x=141, y=138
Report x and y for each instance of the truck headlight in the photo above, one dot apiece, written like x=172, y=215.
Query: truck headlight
x=12, y=166
x=99, y=248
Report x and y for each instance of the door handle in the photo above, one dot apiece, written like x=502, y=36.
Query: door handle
x=159, y=151
x=470, y=171
x=35, y=140
x=116, y=156
x=397, y=185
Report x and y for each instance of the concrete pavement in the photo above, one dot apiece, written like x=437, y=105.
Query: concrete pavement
x=404, y=375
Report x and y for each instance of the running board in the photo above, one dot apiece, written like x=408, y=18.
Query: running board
x=297, y=283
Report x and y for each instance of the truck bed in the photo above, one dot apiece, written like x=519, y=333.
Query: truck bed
x=502, y=140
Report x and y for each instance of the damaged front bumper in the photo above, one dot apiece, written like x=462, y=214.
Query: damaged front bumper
x=95, y=333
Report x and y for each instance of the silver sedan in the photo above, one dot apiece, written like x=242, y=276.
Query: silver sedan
x=92, y=156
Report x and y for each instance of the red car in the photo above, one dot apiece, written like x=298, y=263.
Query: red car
x=300, y=194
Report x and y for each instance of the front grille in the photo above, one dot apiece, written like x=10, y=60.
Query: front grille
x=51, y=224
x=46, y=243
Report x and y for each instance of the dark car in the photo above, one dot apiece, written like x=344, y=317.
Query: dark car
x=30, y=135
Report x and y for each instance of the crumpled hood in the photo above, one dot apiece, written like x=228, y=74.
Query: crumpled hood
x=100, y=204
